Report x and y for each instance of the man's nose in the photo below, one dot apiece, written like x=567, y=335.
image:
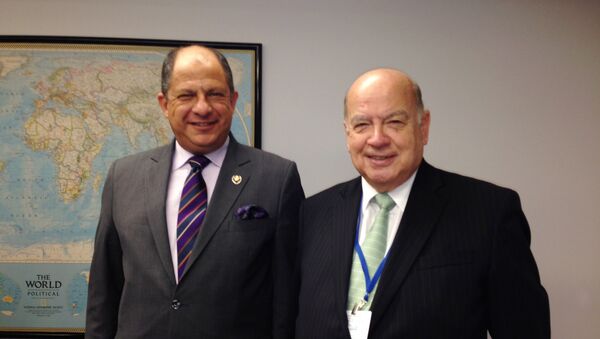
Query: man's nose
x=378, y=138
x=201, y=106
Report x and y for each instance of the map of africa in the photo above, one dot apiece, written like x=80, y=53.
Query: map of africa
x=65, y=114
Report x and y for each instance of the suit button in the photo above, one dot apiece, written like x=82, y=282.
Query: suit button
x=175, y=304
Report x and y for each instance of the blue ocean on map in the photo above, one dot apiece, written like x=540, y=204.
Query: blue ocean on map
x=50, y=104
x=65, y=115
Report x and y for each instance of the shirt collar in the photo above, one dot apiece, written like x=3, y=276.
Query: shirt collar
x=216, y=157
x=398, y=194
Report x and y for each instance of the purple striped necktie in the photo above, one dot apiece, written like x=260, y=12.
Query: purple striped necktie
x=192, y=208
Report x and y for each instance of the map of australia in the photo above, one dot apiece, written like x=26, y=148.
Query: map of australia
x=65, y=115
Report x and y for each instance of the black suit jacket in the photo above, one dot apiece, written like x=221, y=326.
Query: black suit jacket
x=459, y=265
x=237, y=282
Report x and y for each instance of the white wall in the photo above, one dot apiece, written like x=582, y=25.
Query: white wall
x=513, y=87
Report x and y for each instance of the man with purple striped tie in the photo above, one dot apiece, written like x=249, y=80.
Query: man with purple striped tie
x=196, y=239
x=192, y=209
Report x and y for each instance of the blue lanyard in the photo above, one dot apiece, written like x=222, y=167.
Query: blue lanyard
x=369, y=282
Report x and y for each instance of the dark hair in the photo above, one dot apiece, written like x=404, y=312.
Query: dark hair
x=169, y=63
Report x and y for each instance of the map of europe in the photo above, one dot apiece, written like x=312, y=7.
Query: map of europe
x=65, y=114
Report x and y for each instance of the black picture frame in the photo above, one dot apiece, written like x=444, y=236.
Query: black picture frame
x=254, y=49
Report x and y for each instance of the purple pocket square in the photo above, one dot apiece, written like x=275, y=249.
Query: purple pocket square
x=249, y=212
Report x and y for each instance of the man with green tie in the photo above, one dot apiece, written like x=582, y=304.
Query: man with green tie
x=407, y=250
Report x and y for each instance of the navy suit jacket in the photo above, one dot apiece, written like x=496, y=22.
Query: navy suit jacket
x=459, y=266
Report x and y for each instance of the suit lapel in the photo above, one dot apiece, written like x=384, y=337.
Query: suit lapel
x=423, y=209
x=157, y=181
x=224, y=196
x=345, y=215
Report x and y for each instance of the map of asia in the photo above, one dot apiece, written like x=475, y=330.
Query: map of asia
x=66, y=113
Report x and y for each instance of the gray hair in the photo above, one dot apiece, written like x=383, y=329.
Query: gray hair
x=418, y=100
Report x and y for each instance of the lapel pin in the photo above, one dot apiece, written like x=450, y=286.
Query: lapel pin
x=236, y=179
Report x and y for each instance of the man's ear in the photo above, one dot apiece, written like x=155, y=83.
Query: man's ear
x=347, y=131
x=346, y=128
x=162, y=102
x=234, y=98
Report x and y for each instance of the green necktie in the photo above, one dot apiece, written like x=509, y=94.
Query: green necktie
x=373, y=247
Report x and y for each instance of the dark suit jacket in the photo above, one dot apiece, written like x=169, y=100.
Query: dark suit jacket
x=459, y=265
x=237, y=283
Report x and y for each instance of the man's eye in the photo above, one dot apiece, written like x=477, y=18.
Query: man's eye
x=184, y=96
x=216, y=94
x=360, y=126
x=396, y=122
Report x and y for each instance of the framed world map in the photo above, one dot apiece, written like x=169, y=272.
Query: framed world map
x=69, y=106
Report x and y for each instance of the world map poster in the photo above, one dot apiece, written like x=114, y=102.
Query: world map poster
x=67, y=111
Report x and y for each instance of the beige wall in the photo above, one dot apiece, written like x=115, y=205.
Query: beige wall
x=513, y=86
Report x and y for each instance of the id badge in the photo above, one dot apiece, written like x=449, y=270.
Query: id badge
x=358, y=324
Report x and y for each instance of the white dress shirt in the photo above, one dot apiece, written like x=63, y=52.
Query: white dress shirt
x=369, y=208
x=180, y=169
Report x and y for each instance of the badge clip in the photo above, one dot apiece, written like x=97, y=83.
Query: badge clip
x=359, y=306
